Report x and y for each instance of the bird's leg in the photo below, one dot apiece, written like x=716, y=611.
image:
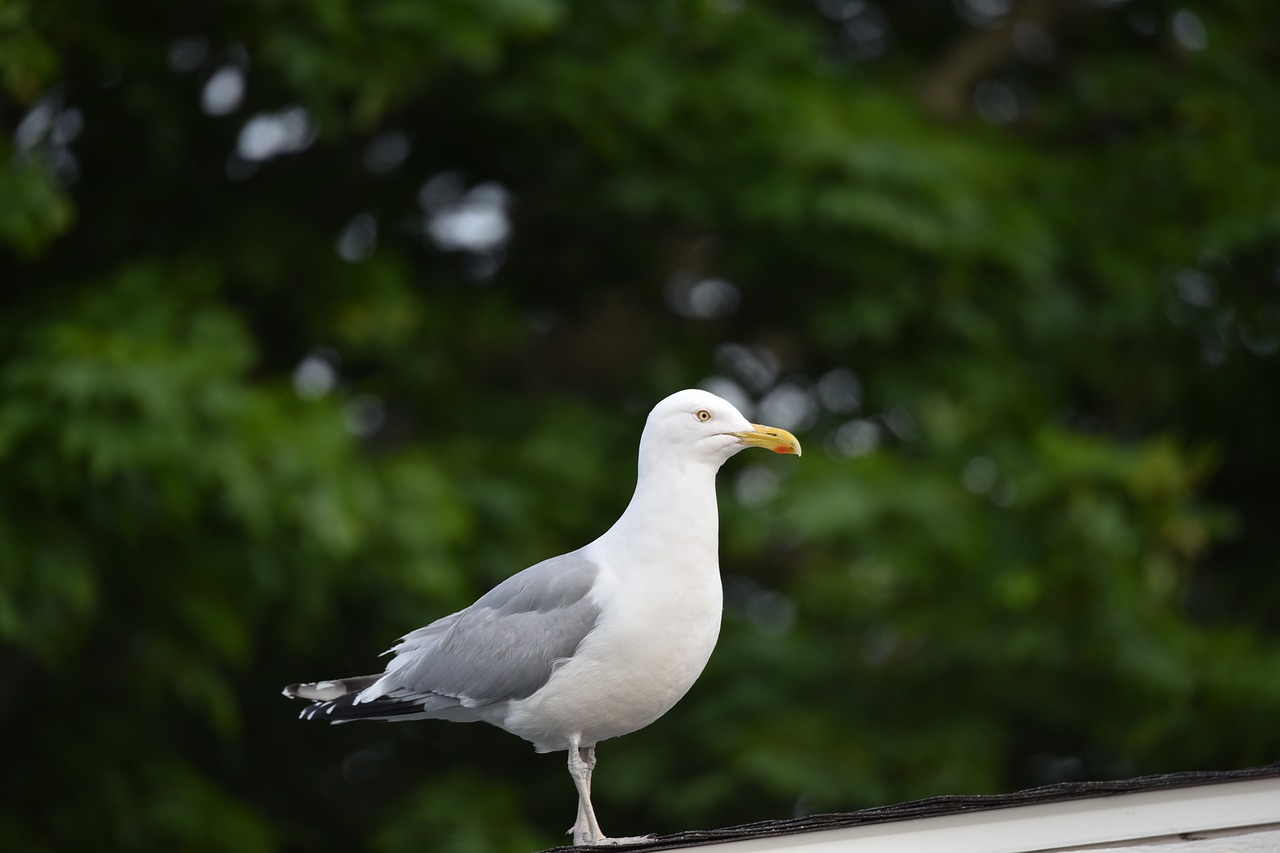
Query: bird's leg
x=586, y=813
x=582, y=760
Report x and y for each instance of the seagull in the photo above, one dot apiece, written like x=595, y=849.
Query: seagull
x=593, y=644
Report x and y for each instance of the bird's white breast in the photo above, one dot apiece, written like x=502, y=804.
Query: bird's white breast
x=658, y=625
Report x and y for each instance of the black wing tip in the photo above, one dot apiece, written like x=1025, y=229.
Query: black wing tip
x=330, y=689
x=336, y=701
x=345, y=709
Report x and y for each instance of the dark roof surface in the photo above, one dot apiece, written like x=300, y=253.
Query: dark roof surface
x=950, y=805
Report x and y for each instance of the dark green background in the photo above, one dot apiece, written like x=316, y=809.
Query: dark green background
x=1012, y=276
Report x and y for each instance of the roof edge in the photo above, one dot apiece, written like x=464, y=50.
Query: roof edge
x=949, y=805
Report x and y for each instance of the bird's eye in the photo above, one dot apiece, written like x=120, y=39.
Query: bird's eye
x=704, y=415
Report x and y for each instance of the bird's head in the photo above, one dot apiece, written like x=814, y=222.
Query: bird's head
x=698, y=424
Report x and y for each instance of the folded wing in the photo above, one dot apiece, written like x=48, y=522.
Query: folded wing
x=502, y=648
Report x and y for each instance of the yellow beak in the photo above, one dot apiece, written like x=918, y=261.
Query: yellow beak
x=775, y=439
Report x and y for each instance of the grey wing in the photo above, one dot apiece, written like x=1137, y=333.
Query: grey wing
x=503, y=647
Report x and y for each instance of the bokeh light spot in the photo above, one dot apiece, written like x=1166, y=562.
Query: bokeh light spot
x=476, y=222
x=840, y=391
x=995, y=101
x=223, y=91
x=386, y=151
x=979, y=475
x=187, y=54
x=1195, y=288
x=315, y=376
x=757, y=366
x=269, y=135
x=364, y=415
x=701, y=298
x=722, y=386
x=1188, y=30
x=756, y=485
x=788, y=406
x=857, y=437
x=358, y=239
x=983, y=13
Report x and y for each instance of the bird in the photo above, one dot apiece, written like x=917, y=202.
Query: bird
x=592, y=644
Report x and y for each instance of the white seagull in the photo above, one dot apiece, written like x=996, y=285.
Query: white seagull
x=592, y=644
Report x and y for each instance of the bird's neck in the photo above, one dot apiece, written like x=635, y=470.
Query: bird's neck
x=673, y=510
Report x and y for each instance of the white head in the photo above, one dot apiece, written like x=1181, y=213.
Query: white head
x=697, y=426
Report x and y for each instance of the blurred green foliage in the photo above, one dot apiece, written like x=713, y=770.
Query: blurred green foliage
x=319, y=318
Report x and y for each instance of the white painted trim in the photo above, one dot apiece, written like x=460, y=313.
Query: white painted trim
x=1255, y=840
x=1114, y=819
